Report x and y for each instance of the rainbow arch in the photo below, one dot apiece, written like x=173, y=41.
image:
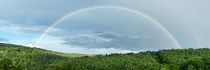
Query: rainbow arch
x=115, y=7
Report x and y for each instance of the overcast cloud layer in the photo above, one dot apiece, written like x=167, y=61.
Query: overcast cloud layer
x=105, y=30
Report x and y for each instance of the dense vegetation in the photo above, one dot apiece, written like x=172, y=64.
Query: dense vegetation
x=28, y=57
x=31, y=57
x=179, y=59
x=19, y=57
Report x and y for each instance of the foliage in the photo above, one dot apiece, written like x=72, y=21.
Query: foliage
x=174, y=59
x=21, y=58
x=29, y=57
x=7, y=64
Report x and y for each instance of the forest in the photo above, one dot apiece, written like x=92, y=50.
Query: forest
x=16, y=57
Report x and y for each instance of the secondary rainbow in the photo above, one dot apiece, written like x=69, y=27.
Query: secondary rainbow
x=115, y=7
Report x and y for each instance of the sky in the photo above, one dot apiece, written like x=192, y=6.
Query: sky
x=105, y=30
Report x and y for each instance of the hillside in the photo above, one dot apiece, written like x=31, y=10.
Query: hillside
x=32, y=57
x=174, y=59
x=29, y=57
x=19, y=57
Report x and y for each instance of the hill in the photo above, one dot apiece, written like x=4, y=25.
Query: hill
x=29, y=57
x=32, y=57
x=18, y=57
x=174, y=59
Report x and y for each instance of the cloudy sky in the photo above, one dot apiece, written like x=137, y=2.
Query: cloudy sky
x=105, y=30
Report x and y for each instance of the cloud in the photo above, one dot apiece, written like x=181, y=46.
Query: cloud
x=66, y=48
x=95, y=32
x=94, y=39
x=3, y=39
x=25, y=27
x=35, y=16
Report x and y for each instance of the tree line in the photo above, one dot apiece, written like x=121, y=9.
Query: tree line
x=14, y=57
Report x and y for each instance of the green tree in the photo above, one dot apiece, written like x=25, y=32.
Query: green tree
x=164, y=67
x=6, y=64
x=191, y=67
x=197, y=63
x=174, y=67
x=133, y=68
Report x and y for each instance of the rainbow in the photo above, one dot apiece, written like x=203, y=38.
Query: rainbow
x=115, y=7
